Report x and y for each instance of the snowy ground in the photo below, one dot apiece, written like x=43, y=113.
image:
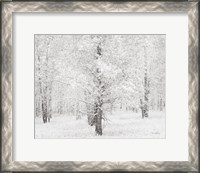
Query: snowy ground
x=120, y=125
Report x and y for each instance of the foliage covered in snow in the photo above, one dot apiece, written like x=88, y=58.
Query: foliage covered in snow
x=91, y=77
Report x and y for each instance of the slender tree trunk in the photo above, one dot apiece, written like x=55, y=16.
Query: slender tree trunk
x=49, y=115
x=49, y=109
x=44, y=110
x=98, y=120
x=146, y=98
x=40, y=98
x=142, y=108
x=146, y=89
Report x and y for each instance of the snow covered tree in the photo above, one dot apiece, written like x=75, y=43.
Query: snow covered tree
x=44, y=52
x=94, y=76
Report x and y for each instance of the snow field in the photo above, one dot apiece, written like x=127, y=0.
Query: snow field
x=118, y=125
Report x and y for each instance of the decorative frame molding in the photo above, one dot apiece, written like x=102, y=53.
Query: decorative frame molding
x=8, y=7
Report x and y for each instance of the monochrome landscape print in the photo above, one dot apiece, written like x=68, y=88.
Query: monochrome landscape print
x=99, y=86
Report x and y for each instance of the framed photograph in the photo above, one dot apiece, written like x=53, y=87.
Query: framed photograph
x=100, y=86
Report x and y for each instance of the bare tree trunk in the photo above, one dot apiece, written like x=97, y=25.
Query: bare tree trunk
x=44, y=110
x=142, y=108
x=98, y=119
x=49, y=115
x=49, y=110
x=146, y=97
x=146, y=89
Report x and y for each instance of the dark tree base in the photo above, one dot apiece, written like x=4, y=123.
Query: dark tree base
x=44, y=119
x=98, y=132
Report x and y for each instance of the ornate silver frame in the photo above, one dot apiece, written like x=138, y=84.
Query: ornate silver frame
x=8, y=7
